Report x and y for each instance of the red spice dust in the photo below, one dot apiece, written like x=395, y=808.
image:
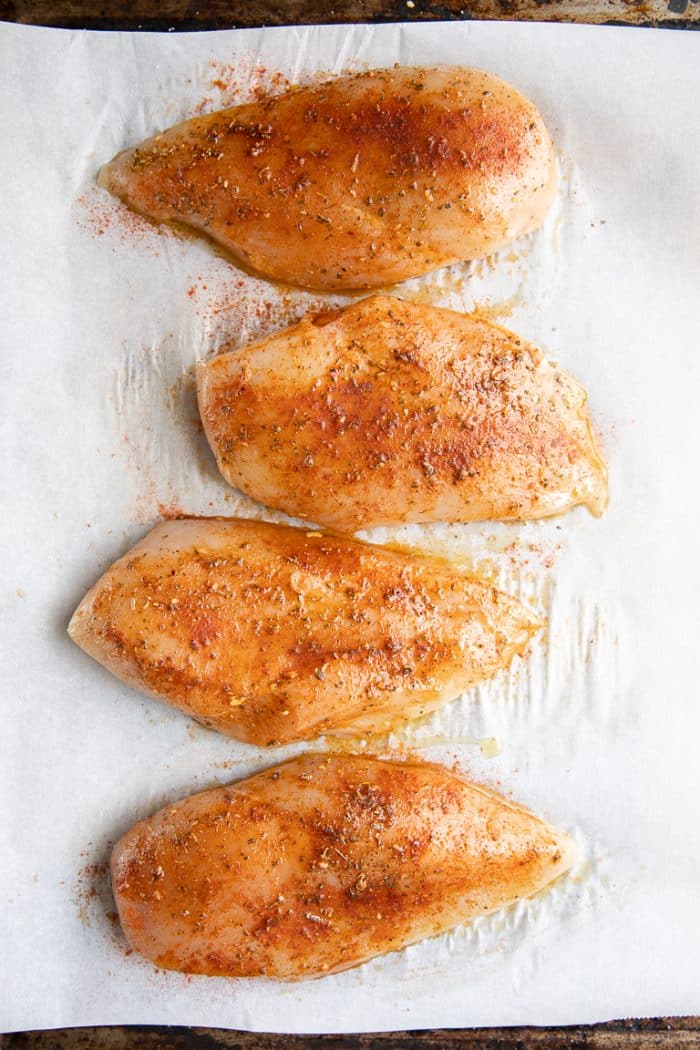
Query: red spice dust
x=92, y=893
x=461, y=768
x=238, y=309
x=150, y=506
x=240, y=82
x=519, y=554
x=101, y=215
x=171, y=511
x=89, y=883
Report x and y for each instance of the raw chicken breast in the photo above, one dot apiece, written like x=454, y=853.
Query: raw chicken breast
x=355, y=183
x=271, y=634
x=386, y=412
x=322, y=863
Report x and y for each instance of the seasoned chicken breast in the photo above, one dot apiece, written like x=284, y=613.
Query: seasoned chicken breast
x=386, y=412
x=322, y=863
x=356, y=183
x=271, y=634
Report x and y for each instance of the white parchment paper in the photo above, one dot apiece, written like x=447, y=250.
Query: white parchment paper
x=103, y=317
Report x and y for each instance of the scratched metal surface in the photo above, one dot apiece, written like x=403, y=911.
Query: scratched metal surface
x=185, y=15
x=656, y=1034
x=226, y=14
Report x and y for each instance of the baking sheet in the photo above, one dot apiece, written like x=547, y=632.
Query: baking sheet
x=103, y=318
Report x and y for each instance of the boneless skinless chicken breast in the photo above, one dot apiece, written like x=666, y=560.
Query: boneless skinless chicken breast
x=387, y=412
x=271, y=634
x=356, y=183
x=322, y=863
